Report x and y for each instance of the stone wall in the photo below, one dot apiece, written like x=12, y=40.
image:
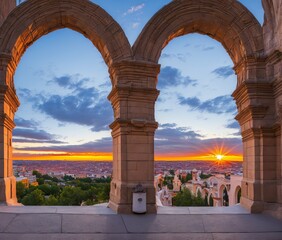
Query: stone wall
x=6, y=6
x=272, y=30
x=272, y=27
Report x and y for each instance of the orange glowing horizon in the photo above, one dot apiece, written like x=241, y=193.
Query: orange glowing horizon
x=105, y=156
x=214, y=153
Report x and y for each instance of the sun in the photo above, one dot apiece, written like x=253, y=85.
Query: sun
x=219, y=157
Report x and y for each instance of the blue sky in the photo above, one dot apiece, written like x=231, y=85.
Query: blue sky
x=63, y=83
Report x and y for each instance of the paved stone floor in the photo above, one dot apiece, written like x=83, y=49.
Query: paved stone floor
x=85, y=223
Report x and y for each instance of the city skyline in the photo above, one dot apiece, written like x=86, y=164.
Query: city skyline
x=62, y=82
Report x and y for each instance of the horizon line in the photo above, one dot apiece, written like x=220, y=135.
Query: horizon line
x=106, y=160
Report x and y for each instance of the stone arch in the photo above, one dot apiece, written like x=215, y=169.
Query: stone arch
x=214, y=180
x=232, y=24
x=221, y=189
x=205, y=194
x=198, y=191
x=24, y=25
x=229, y=22
x=211, y=196
x=236, y=195
x=32, y=19
x=205, y=191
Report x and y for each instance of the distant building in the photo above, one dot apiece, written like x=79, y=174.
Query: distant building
x=70, y=175
x=176, y=183
x=218, y=190
x=23, y=180
x=164, y=197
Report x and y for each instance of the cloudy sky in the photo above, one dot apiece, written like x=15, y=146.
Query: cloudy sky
x=63, y=83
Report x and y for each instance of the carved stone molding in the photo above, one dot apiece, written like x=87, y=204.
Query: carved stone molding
x=7, y=122
x=8, y=95
x=136, y=126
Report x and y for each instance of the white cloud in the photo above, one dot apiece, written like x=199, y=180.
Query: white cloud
x=134, y=9
x=135, y=25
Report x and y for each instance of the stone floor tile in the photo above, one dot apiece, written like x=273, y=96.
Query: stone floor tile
x=163, y=223
x=173, y=210
x=85, y=210
x=92, y=224
x=163, y=236
x=5, y=219
x=247, y=236
x=28, y=209
x=35, y=223
x=218, y=210
x=241, y=223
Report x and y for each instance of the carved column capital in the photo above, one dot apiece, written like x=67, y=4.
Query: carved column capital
x=9, y=96
x=124, y=92
x=251, y=93
x=130, y=126
x=7, y=62
x=7, y=122
x=134, y=73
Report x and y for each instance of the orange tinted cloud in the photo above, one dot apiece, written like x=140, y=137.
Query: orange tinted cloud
x=98, y=156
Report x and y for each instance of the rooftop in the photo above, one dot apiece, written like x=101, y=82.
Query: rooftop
x=100, y=222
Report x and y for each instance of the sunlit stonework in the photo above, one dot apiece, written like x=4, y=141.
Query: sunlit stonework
x=256, y=53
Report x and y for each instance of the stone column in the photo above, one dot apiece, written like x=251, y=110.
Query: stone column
x=256, y=118
x=133, y=99
x=7, y=179
x=272, y=30
x=8, y=106
x=274, y=72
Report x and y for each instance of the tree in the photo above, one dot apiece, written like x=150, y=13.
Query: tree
x=211, y=201
x=206, y=200
x=84, y=186
x=20, y=190
x=51, y=201
x=68, y=178
x=188, y=177
x=30, y=189
x=168, y=182
x=225, y=198
x=86, y=180
x=55, y=190
x=183, y=198
x=37, y=174
x=72, y=196
x=186, y=198
x=45, y=188
x=198, y=200
x=34, y=198
x=104, y=192
x=47, y=177
x=40, y=181
x=103, y=180
x=88, y=202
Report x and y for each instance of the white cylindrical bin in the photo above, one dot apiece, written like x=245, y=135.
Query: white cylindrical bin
x=139, y=202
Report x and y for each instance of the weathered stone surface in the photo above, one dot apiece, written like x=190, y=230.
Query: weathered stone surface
x=272, y=27
x=6, y=7
x=34, y=223
x=256, y=53
x=169, y=225
x=92, y=224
